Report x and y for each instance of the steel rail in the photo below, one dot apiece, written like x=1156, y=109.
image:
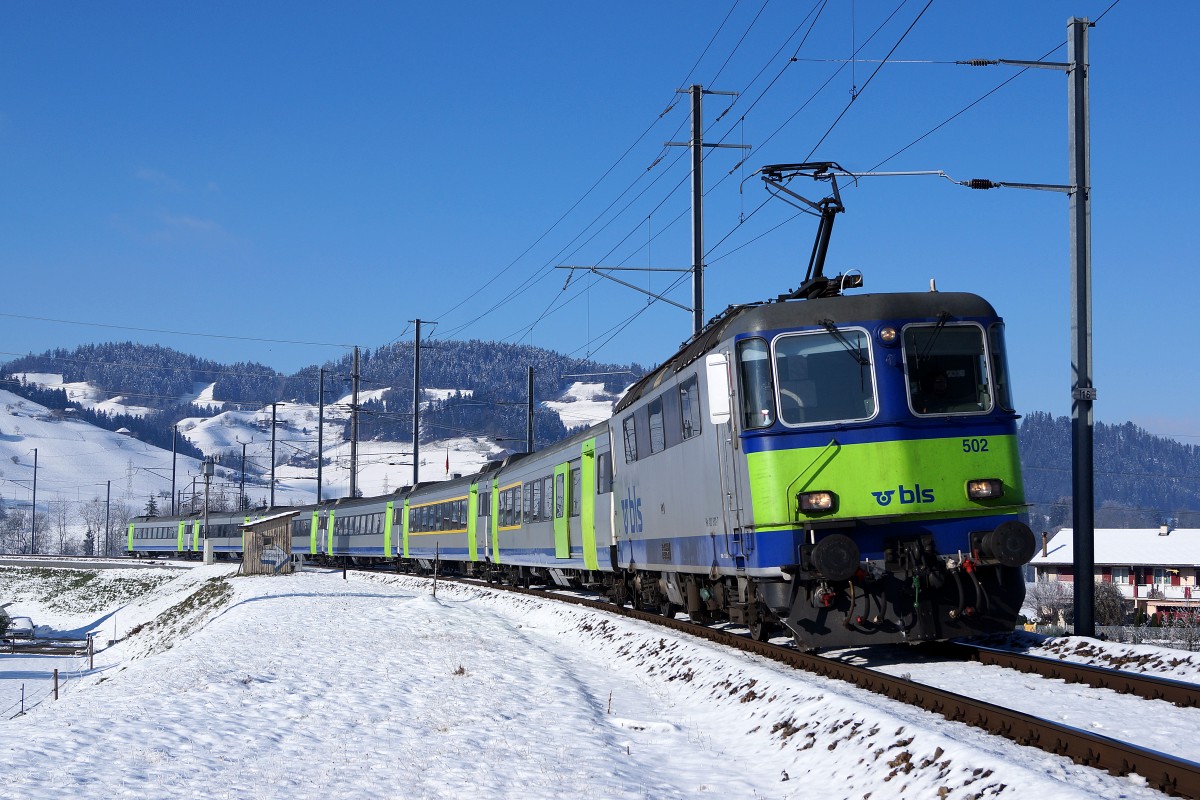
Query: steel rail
x=1181, y=693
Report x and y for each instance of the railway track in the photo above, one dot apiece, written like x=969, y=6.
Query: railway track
x=1167, y=773
x=1180, y=693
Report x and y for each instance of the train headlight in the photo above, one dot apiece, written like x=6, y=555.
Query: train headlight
x=887, y=335
x=816, y=502
x=985, y=489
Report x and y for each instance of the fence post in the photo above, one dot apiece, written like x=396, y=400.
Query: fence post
x=91, y=651
x=55, y=684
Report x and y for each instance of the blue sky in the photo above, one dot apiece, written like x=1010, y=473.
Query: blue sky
x=324, y=173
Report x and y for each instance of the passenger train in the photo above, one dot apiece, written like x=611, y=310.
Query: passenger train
x=843, y=465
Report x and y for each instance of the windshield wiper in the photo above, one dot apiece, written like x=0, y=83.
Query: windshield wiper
x=943, y=318
x=855, y=352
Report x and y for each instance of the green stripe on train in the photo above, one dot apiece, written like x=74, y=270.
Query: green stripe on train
x=495, y=521
x=588, y=504
x=388, y=516
x=562, y=510
x=472, y=523
x=405, y=520
x=884, y=479
x=312, y=533
x=131, y=537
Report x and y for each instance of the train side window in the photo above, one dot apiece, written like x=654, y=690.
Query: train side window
x=485, y=500
x=548, y=498
x=630, y=431
x=1000, y=366
x=530, y=510
x=604, y=477
x=576, y=490
x=758, y=388
x=658, y=439
x=689, y=403
x=560, y=496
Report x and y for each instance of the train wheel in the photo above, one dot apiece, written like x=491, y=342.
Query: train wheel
x=668, y=609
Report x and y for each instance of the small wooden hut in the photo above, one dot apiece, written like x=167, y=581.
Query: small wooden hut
x=268, y=549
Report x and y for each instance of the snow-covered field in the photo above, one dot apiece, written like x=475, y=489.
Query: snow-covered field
x=312, y=686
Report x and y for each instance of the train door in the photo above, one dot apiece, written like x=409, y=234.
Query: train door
x=720, y=403
x=562, y=510
x=589, y=482
x=473, y=523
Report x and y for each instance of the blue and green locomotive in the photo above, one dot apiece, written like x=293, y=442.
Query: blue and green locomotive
x=858, y=480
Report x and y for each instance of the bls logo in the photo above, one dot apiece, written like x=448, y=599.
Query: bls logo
x=907, y=496
x=631, y=512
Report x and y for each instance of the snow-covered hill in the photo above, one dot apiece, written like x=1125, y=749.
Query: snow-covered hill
x=78, y=462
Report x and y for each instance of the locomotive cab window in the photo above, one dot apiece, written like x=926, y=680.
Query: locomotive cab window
x=947, y=369
x=1000, y=366
x=758, y=390
x=825, y=376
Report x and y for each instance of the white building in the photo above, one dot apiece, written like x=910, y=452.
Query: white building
x=1156, y=568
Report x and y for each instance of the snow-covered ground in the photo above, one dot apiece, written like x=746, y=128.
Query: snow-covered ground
x=312, y=686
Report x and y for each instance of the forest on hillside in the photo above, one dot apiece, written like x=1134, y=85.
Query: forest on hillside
x=1141, y=480
x=492, y=376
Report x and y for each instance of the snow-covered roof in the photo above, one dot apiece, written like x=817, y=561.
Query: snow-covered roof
x=1128, y=547
x=261, y=520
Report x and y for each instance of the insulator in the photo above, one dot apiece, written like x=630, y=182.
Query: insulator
x=979, y=62
x=982, y=183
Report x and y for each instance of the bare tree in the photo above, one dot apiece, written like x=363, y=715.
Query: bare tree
x=118, y=522
x=1051, y=601
x=61, y=519
x=92, y=513
x=14, y=531
x=1185, y=630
